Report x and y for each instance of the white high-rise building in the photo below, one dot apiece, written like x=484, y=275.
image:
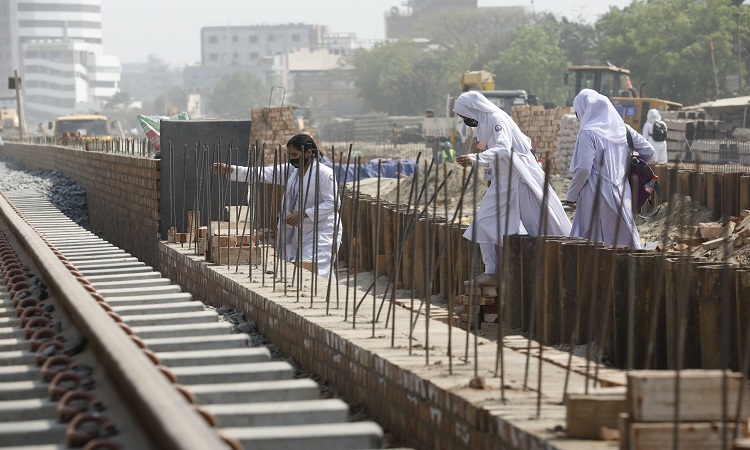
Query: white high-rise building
x=56, y=46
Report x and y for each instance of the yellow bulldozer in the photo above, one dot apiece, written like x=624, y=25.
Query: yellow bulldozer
x=614, y=83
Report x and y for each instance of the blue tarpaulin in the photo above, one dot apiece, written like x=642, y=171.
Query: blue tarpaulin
x=388, y=169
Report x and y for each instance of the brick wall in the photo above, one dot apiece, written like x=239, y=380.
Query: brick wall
x=122, y=191
x=424, y=408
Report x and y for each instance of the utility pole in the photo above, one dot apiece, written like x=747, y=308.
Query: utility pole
x=17, y=85
x=739, y=54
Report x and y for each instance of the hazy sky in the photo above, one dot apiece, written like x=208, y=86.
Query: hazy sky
x=170, y=29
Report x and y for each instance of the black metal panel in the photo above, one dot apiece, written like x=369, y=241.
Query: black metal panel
x=188, y=148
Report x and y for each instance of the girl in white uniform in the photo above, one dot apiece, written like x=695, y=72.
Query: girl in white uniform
x=500, y=135
x=602, y=144
x=303, y=167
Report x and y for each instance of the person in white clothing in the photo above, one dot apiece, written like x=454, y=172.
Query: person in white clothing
x=499, y=136
x=303, y=203
x=600, y=162
x=660, y=147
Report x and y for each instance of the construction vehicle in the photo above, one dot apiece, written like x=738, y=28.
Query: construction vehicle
x=614, y=83
x=451, y=127
x=8, y=119
x=81, y=126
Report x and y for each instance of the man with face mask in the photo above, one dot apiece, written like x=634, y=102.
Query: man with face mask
x=310, y=189
x=518, y=189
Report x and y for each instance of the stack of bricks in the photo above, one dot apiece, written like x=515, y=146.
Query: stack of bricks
x=542, y=126
x=477, y=303
x=566, y=143
x=272, y=127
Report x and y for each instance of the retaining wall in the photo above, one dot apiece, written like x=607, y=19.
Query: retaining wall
x=122, y=191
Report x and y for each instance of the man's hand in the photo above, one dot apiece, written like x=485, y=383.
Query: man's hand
x=464, y=160
x=221, y=167
x=292, y=219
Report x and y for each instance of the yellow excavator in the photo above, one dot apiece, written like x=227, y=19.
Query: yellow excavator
x=614, y=83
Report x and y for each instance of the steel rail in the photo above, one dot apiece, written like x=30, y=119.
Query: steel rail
x=166, y=417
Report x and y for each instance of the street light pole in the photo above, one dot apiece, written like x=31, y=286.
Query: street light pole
x=739, y=54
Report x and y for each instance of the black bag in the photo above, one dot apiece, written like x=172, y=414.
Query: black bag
x=659, y=132
x=642, y=175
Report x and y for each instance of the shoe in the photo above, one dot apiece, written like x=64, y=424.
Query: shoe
x=484, y=279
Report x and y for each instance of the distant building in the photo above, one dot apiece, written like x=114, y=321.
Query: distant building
x=148, y=80
x=400, y=23
x=319, y=78
x=61, y=77
x=303, y=59
x=247, y=45
x=57, y=46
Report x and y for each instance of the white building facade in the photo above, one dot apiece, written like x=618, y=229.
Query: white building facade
x=57, y=48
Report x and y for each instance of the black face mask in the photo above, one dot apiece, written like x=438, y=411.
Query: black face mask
x=471, y=122
x=294, y=162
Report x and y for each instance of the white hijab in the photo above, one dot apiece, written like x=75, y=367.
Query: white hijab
x=653, y=116
x=476, y=106
x=597, y=115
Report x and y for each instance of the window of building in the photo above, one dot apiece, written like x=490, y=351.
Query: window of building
x=295, y=38
x=253, y=55
x=270, y=38
x=213, y=40
x=253, y=39
x=213, y=56
x=235, y=39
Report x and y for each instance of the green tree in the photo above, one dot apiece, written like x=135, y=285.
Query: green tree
x=405, y=78
x=665, y=44
x=235, y=95
x=532, y=62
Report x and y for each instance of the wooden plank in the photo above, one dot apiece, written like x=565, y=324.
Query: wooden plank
x=651, y=396
x=586, y=414
x=691, y=436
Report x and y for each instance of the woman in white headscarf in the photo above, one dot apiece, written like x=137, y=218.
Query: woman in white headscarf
x=660, y=147
x=600, y=160
x=311, y=207
x=499, y=135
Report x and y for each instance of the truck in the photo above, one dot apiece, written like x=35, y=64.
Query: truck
x=81, y=125
x=614, y=83
x=8, y=119
x=451, y=127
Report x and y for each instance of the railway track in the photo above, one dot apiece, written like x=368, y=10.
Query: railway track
x=97, y=350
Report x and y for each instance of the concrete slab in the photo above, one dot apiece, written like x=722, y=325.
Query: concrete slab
x=29, y=409
x=234, y=373
x=214, y=357
x=144, y=282
x=260, y=391
x=158, y=308
x=20, y=373
x=170, y=318
x=17, y=357
x=121, y=278
x=280, y=413
x=200, y=329
x=33, y=432
x=215, y=342
x=309, y=437
x=140, y=291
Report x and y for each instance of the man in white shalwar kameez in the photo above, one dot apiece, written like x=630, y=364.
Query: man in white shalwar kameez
x=602, y=144
x=304, y=166
x=499, y=135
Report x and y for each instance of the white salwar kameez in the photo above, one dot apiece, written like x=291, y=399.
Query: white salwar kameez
x=500, y=135
x=602, y=144
x=660, y=147
x=320, y=234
